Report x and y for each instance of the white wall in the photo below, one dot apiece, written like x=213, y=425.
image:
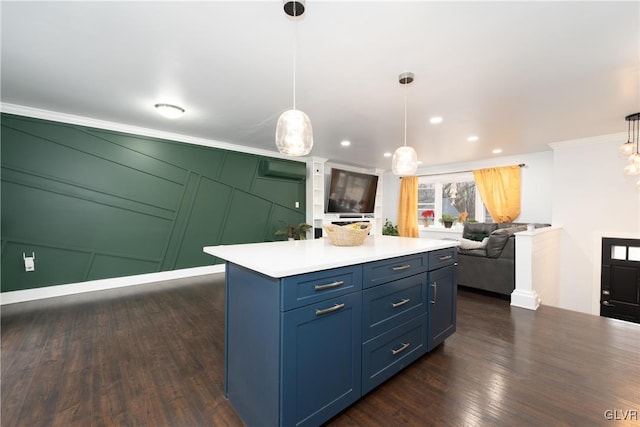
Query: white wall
x=536, y=184
x=578, y=186
x=592, y=198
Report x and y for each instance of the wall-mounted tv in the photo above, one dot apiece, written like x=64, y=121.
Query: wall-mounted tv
x=352, y=192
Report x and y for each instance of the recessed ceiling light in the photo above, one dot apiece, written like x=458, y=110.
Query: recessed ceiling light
x=419, y=162
x=345, y=143
x=388, y=154
x=435, y=120
x=472, y=138
x=170, y=111
x=496, y=150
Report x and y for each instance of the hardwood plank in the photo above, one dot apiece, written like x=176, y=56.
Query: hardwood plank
x=154, y=355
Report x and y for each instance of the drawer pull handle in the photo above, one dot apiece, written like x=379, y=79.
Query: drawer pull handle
x=401, y=349
x=446, y=257
x=608, y=304
x=400, y=303
x=434, y=285
x=329, y=285
x=402, y=267
x=329, y=310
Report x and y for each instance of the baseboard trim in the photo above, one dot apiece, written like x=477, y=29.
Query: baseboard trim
x=13, y=297
x=525, y=299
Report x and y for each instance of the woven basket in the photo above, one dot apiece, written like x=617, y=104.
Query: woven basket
x=347, y=235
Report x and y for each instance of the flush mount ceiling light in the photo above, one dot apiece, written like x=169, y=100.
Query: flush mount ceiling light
x=435, y=120
x=169, y=111
x=405, y=159
x=631, y=147
x=294, y=135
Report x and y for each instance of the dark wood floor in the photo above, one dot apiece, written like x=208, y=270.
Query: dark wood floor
x=153, y=355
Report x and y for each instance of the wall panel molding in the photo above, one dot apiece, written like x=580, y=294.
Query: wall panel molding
x=103, y=204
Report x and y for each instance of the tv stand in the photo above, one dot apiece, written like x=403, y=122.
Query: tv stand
x=355, y=216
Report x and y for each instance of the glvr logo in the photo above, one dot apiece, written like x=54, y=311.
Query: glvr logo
x=621, y=414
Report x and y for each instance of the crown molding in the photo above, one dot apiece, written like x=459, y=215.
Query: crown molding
x=602, y=139
x=37, y=113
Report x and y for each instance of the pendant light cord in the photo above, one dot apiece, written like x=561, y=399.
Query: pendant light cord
x=295, y=42
x=405, y=114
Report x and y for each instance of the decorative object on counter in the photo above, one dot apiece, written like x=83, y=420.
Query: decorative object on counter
x=427, y=217
x=388, y=229
x=347, y=235
x=294, y=232
x=447, y=220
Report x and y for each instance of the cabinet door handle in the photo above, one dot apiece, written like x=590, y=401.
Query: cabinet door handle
x=434, y=285
x=329, y=285
x=401, y=349
x=400, y=303
x=446, y=257
x=608, y=304
x=402, y=267
x=329, y=310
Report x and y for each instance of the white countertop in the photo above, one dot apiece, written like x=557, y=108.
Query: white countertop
x=288, y=258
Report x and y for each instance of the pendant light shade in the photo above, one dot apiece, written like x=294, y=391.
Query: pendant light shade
x=405, y=159
x=631, y=148
x=294, y=135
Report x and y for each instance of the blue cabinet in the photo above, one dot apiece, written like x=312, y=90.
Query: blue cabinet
x=442, y=304
x=293, y=345
x=321, y=348
x=302, y=348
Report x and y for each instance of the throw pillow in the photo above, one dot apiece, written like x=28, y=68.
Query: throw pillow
x=478, y=237
x=473, y=244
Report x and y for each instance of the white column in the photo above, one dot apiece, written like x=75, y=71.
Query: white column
x=524, y=295
x=537, y=267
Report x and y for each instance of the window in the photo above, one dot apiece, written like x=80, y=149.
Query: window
x=450, y=194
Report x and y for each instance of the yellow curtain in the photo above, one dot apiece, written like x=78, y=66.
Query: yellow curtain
x=500, y=191
x=408, y=207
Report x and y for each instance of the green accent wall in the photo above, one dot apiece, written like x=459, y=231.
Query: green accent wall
x=94, y=204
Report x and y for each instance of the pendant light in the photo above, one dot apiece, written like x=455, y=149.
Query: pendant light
x=405, y=159
x=631, y=147
x=294, y=136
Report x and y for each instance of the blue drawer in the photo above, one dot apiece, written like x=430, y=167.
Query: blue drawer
x=386, y=306
x=386, y=270
x=303, y=289
x=391, y=352
x=442, y=258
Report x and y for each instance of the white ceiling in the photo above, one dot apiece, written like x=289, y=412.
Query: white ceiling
x=519, y=75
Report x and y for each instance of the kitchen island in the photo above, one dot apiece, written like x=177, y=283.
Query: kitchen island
x=312, y=327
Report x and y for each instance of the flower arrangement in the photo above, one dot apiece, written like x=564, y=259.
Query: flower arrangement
x=427, y=217
x=428, y=213
x=463, y=217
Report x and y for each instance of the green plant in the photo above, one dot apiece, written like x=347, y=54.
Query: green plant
x=296, y=232
x=447, y=218
x=388, y=229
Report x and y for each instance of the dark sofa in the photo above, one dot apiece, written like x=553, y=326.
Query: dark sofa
x=486, y=256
